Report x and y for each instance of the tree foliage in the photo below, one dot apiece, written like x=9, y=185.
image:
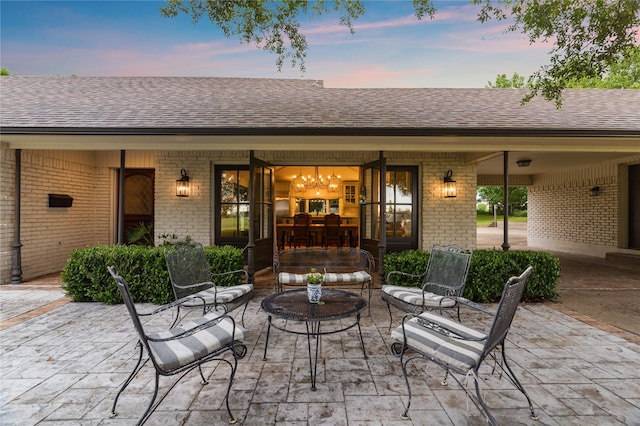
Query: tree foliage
x=494, y=195
x=504, y=82
x=588, y=36
x=5, y=72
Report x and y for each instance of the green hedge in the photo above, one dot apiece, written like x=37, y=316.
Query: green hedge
x=489, y=271
x=86, y=278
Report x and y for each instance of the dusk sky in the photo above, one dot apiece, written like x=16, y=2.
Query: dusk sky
x=390, y=47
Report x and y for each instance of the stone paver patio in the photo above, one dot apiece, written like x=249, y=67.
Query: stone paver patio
x=64, y=366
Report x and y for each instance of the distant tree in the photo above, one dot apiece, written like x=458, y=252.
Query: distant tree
x=494, y=195
x=4, y=72
x=623, y=74
x=504, y=82
x=588, y=36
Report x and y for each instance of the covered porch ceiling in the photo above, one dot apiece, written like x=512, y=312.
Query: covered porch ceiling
x=548, y=153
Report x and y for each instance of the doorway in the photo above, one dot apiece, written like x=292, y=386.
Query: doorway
x=139, y=190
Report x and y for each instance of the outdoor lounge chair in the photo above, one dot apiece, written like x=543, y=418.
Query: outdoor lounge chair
x=460, y=349
x=179, y=350
x=190, y=276
x=446, y=275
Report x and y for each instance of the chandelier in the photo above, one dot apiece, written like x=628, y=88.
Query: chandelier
x=316, y=186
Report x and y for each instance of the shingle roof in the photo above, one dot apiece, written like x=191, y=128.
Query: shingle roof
x=198, y=104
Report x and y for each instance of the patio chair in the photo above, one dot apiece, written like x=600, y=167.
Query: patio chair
x=190, y=276
x=446, y=275
x=460, y=349
x=179, y=350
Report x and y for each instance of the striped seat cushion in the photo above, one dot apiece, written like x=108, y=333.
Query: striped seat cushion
x=288, y=278
x=347, y=277
x=224, y=295
x=174, y=354
x=329, y=277
x=413, y=296
x=461, y=354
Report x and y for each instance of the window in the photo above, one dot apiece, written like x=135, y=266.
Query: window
x=234, y=203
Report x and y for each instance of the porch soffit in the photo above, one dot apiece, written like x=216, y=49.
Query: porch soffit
x=482, y=147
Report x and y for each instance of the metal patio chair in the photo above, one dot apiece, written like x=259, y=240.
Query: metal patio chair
x=446, y=275
x=179, y=350
x=460, y=349
x=190, y=276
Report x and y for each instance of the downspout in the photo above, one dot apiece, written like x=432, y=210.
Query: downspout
x=505, y=202
x=121, y=199
x=16, y=271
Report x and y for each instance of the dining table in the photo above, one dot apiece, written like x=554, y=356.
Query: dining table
x=285, y=230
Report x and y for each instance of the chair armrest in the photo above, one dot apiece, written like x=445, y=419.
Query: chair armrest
x=204, y=283
x=446, y=290
x=215, y=275
x=170, y=305
x=472, y=305
x=191, y=331
x=404, y=276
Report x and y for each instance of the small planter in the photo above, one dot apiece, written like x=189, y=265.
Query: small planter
x=314, y=292
x=314, y=286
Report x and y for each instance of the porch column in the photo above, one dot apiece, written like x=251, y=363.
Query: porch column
x=121, y=199
x=16, y=271
x=505, y=202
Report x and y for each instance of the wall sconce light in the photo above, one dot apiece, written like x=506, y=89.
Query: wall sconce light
x=449, y=186
x=182, y=184
x=523, y=163
x=594, y=191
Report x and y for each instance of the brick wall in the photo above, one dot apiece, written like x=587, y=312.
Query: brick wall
x=448, y=220
x=564, y=216
x=48, y=234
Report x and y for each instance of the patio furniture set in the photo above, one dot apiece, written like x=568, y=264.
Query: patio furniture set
x=430, y=329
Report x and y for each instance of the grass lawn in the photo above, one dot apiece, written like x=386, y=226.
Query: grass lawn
x=486, y=219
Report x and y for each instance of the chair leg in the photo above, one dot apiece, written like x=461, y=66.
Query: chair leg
x=405, y=415
x=517, y=383
x=234, y=366
x=390, y=316
x=243, y=311
x=135, y=371
x=149, y=409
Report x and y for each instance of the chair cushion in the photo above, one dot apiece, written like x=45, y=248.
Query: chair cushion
x=413, y=296
x=174, y=354
x=347, y=277
x=224, y=295
x=288, y=278
x=329, y=277
x=461, y=354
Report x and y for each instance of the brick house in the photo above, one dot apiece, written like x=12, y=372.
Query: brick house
x=70, y=137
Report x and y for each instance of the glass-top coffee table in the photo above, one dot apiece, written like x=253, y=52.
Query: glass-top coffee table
x=294, y=305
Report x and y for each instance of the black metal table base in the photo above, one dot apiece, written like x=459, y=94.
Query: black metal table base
x=313, y=332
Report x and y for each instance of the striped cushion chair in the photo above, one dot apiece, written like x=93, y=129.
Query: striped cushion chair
x=181, y=349
x=445, y=276
x=460, y=349
x=190, y=276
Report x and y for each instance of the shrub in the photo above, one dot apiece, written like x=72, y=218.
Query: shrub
x=86, y=278
x=489, y=271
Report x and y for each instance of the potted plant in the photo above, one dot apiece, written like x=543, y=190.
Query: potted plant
x=314, y=285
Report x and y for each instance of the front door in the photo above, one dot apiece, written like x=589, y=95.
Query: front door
x=138, y=206
x=372, y=204
x=261, y=227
